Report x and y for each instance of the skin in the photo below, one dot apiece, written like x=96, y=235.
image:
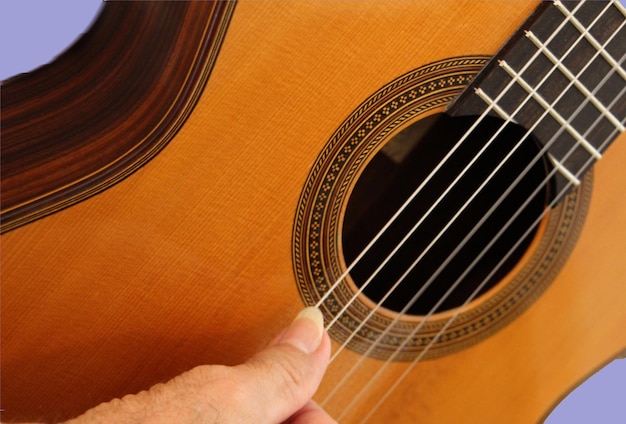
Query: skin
x=274, y=386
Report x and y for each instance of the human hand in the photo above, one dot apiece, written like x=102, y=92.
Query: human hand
x=274, y=386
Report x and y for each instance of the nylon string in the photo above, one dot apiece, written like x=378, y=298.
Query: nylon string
x=465, y=136
x=457, y=282
x=471, y=198
x=580, y=108
x=477, y=290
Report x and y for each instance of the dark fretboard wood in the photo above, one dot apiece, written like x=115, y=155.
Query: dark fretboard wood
x=562, y=76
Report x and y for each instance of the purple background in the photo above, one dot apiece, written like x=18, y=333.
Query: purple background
x=34, y=32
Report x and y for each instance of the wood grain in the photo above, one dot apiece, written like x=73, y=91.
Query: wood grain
x=106, y=106
x=188, y=261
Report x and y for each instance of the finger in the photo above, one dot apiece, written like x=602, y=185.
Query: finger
x=305, y=339
x=311, y=413
x=283, y=377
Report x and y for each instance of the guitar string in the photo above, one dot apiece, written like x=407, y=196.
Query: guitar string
x=622, y=58
x=581, y=71
x=618, y=127
x=489, y=178
x=402, y=208
x=443, y=329
x=434, y=308
x=586, y=145
x=477, y=290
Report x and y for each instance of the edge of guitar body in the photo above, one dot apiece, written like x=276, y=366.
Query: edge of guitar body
x=107, y=105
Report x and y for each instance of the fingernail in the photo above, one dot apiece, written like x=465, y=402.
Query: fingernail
x=306, y=330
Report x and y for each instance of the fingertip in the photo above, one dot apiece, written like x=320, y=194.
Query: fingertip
x=305, y=332
x=314, y=314
x=289, y=371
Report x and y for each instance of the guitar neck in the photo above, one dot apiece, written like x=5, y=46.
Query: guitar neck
x=561, y=76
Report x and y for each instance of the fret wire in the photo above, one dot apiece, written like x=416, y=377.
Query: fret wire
x=563, y=170
x=493, y=105
x=590, y=38
x=558, y=165
x=607, y=113
x=557, y=116
x=503, y=114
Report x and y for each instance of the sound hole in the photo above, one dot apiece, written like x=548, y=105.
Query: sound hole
x=441, y=241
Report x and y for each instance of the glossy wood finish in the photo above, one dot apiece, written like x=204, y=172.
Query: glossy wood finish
x=107, y=105
x=188, y=261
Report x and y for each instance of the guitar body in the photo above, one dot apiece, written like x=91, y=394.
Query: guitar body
x=188, y=261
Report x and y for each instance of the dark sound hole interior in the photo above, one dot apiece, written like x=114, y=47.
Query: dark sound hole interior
x=392, y=176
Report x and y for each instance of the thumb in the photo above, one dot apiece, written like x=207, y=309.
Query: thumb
x=286, y=375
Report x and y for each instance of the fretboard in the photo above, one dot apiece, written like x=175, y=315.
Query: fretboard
x=561, y=76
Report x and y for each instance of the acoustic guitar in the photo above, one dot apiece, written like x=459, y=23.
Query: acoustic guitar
x=442, y=178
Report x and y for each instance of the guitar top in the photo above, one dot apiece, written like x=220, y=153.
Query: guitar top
x=185, y=178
